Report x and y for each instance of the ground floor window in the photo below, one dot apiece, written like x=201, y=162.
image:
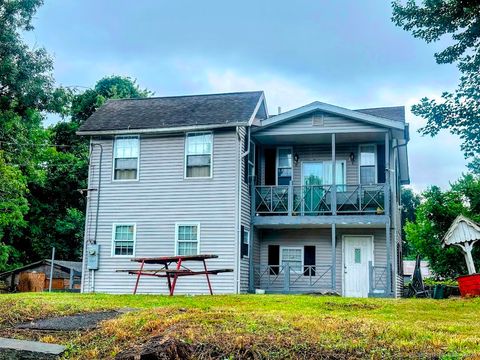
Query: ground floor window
x=187, y=239
x=123, y=239
x=293, y=257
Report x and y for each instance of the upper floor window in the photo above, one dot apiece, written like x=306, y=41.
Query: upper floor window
x=123, y=239
x=198, y=155
x=284, y=166
x=368, y=164
x=187, y=239
x=125, y=158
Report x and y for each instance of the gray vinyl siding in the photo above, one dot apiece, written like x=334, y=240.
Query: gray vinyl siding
x=320, y=152
x=156, y=202
x=321, y=239
x=331, y=124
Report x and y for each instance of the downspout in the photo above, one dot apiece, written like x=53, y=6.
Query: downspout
x=396, y=223
x=240, y=204
x=85, y=232
x=92, y=285
x=238, y=214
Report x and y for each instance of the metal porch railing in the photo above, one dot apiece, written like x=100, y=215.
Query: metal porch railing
x=314, y=200
x=287, y=279
x=380, y=280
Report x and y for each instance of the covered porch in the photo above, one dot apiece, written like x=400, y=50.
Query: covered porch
x=324, y=260
x=317, y=175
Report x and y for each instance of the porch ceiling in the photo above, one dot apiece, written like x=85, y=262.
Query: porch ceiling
x=303, y=139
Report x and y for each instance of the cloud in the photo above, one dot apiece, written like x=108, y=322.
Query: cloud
x=433, y=161
x=279, y=91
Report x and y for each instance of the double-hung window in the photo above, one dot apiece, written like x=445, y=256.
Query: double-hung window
x=368, y=164
x=125, y=159
x=245, y=238
x=251, y=162
x=284, y=165
x=198, y=155
x=124, y=239
x=293, y=257
x=187, y=239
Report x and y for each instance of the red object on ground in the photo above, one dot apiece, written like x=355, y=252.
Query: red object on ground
x=469, y=285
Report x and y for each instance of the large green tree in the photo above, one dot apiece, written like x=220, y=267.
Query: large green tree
x=434, y=216
x=57, y=211
x=41, y=170
x=458, y=111
x=27, y=91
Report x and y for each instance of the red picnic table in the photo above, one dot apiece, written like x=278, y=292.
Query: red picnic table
x=174, y=272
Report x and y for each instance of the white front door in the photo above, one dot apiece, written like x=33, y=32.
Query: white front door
x=358, y=251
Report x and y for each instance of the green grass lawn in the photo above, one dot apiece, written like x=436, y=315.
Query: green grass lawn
x=260, y=326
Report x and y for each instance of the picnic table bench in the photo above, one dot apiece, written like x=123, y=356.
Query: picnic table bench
x=179, y=269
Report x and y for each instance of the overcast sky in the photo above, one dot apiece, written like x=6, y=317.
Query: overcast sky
x=346, y=53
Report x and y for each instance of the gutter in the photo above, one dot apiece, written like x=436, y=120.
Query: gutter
x=160, y=130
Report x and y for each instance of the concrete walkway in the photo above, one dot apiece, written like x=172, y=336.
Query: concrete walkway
x=23, y=349
x=78, y=322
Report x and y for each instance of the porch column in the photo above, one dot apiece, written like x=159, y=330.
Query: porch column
x=387, y=213
x=251, y=267
x=389, y=258
x=334, y=257
x=334, y=176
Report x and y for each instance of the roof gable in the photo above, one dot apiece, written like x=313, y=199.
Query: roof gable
x=166, y=113
x=364, y=115
x=462, y=230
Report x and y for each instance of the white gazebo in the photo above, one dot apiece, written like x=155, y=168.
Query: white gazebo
x=463, y=233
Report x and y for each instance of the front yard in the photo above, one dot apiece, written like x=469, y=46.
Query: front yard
x=258, y=326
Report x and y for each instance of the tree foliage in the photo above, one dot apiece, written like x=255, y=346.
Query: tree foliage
x=111, y=87
x=410, y=202
x=458, y=111
x=434, y=216
x=41, y=170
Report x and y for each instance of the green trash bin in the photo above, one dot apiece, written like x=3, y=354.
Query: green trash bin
x=439, y=292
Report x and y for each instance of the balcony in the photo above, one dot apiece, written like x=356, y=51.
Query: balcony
x=320, y=200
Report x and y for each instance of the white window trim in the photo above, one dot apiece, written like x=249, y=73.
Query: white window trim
x=277, y=161
x=177, y=225
x=114, y=226
x=360, y=161
x=113, y=158
x=185, y=177
x=292, y=248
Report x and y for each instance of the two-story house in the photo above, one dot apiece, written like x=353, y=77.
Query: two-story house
x=304, y=201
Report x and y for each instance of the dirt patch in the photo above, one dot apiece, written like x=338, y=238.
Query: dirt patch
x=85, y=321
x=159, y=348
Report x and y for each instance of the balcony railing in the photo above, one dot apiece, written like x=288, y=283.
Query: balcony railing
x=314, y=200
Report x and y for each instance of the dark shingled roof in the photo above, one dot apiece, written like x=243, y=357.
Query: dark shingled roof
x=393, y=113
x=175, y=111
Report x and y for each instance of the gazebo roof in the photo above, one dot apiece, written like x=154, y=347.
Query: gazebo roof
x=462, y=230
